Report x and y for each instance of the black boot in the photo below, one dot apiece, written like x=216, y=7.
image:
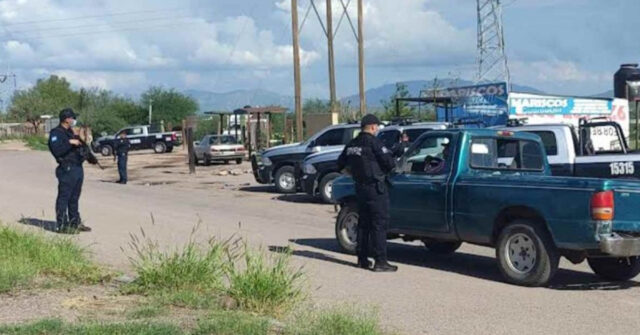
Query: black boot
x=364, y=264
x=384, y=266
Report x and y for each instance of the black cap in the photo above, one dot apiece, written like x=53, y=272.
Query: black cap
x=67, y=113
x=369, y=119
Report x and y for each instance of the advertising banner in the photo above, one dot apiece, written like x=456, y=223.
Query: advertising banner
x=486, y=102
x=541, y=109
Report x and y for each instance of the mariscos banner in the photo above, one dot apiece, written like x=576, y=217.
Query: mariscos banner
x=540, y=109
x=486, y=102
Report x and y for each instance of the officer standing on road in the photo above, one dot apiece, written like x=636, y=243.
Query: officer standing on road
x=70, y=153
x=369, y=162
x=122, y=147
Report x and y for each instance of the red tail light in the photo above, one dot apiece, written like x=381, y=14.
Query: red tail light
x=602, y=206
x=174, y=136
x=240, y=149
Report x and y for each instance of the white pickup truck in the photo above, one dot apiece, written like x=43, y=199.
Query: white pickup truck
x=596, y=149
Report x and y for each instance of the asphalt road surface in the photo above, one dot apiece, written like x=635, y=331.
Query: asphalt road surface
x=430, y=294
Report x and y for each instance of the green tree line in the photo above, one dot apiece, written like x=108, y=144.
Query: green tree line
x=102, y=110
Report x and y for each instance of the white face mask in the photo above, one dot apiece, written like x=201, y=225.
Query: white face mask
x=74, y=123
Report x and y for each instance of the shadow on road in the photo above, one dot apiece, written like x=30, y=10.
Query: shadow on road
x=44, y=224
x=259, y=189
x=299, y=198
x=466, y=264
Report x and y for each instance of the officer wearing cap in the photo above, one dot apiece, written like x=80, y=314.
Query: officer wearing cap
x=69, y=152
x=121, y=151
x=369, y=162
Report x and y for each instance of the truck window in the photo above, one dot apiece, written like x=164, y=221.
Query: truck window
x=549, y=142
x=414, y=134
x=389, y=138
x=432, y=156
x=331, y=137
x=506, y=154
x=133, y=131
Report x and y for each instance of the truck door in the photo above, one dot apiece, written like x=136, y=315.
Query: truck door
x=419, y=190
x=136, y=137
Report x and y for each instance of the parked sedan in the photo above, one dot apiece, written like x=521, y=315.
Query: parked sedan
x=221, y=148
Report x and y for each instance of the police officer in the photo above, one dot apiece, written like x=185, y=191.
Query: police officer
x=69, y=152
x=122, y=147
x=399, y=148
x=369, y=162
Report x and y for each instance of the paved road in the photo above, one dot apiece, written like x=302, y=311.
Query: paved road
x=462, y=293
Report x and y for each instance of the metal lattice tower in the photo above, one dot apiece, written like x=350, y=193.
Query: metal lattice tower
x=492, y=60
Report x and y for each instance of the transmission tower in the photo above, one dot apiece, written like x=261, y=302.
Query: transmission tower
x=492, y=60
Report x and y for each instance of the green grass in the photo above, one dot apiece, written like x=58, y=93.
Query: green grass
x=190, y=277
x=265, y=283
x=233, y=323
x=146, y=311
x=36, y=142
x=57, y=327
x=26, y=257
x=337, y=321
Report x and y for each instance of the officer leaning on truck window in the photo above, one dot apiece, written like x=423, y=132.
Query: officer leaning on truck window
x=369, y=162
x=121, y=151
x=70, y=152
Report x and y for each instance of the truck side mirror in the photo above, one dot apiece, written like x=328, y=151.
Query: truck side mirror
x=196, y=143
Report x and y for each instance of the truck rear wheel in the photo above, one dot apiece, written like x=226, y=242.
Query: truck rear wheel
x=106, y=150
x=285, y=179
x=326, y=186
x=526, y=254
x=614, y=268
x=347, y=228
x=159, y=147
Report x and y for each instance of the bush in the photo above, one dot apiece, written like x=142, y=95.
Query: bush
x=25, y=256
x=265, y=284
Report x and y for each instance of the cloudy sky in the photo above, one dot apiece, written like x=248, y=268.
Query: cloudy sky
x=559, y=46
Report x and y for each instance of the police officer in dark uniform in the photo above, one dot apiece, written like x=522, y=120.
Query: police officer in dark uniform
x=70, y=152
x=369, y=163
x=122, y=147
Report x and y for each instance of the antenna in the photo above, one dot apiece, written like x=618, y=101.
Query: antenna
x=492, y=60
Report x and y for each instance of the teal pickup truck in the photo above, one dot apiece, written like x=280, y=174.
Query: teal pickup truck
x=494, y=188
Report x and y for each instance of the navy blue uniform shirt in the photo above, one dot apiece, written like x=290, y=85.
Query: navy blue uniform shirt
x=61, y=149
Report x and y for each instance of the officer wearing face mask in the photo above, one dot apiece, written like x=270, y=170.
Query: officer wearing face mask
x=69, y=152
x=369, y=163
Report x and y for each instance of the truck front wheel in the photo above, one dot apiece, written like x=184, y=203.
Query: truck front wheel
x=285, y=179
x=611, y=268
x=347, y=228
x=106, y=150
x=159, y=147
x=526, y=254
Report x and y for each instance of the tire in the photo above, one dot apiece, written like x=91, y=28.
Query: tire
x=106, y=150
x=346, y=228
x=526, y=254
x=195, y=159
x=285, y=179
x=613, y=268
x=239, y=161
x=159, y=147
x=325, y=186
x=441, y=247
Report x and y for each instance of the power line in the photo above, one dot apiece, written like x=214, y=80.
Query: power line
x=93, y=16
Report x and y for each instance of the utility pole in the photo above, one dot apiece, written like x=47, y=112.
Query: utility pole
x=296, y=70
x=332, y=73
x=150, y=110
x=363, y=101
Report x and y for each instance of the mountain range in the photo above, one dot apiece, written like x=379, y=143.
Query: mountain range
x=210, y=101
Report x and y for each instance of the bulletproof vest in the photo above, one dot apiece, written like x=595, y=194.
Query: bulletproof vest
x=74, y=157
x=362, y=161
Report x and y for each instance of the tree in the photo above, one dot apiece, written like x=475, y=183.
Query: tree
x=168, y=105
x=47, y=97
x=389, y=105
x=316, y=106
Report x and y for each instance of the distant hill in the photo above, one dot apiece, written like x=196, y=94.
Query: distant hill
x=237, y=99
x=375, y=95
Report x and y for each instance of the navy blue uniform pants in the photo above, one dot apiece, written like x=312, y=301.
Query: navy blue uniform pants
x=122, y=167
x=70, y=179
x=373, y=221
